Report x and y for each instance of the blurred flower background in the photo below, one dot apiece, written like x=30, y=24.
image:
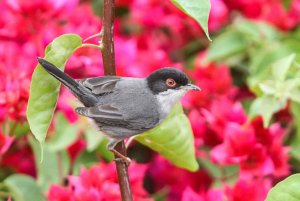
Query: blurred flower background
x=240, y=158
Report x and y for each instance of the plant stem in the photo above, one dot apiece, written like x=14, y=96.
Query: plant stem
x=108, y=56
x=108, y=49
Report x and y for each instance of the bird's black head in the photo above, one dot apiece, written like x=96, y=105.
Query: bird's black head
x=167, y=78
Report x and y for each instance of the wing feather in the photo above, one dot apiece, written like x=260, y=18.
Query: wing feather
x=100, y=112
x=100, y=85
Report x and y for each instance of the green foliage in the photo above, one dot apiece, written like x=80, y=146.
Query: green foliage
x=295, y=143
x=239, y=39
x=287, y=190
x=220, y=173
x=280, y=86
x=197, y=9
x=44, y=88
x=228, y=44
x=265, y=106
x=93, y=139
x=52, y=170
x=268, y=57
x=173, y=139
x=85, y=159
x=65, y=134
x=24, y=188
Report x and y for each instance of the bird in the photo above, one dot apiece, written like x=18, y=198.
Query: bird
x=123, y=107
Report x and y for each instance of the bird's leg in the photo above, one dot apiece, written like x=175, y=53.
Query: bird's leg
x=111, y=147
x=129, y=141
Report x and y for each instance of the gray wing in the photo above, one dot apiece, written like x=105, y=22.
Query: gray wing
x=105, y=115
x=100, y=85
x=101, y=111
x=109, y=115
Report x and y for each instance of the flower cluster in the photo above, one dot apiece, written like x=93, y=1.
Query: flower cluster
x=283, y=16
x=99, y=183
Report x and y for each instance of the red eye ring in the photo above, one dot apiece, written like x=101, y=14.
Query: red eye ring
x=170, y=82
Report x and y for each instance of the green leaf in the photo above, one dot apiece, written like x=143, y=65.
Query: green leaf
x=261, y=61
x=256, y=31
x=24, y=188
x=173, y=139
x=295, y=143
x=275, y=65
x=287, y=190
x=228, y=44
x=281, y=67
x=295, y=95
x=21, y=129
x=85, y=159
x=104, y=152
x=44, y=88
x=53, y=169
x=265, y=106
x=228, y=173
x=93, y=139
x=268, y=87
x=65, y=134
x=213, y=169
x=197, y=9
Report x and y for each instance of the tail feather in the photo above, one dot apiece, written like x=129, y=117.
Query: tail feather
x=81, y=92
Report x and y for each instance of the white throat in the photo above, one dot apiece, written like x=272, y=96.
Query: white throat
x=168, y=99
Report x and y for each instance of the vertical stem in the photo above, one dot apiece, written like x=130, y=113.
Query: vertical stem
x=108, y=48
x=108, y=55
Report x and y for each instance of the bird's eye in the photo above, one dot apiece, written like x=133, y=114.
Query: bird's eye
x=170, y=82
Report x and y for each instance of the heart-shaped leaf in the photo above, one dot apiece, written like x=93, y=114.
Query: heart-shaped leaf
x=44, y=89
x=287, y=190
x=173, y=139
x=197, y=9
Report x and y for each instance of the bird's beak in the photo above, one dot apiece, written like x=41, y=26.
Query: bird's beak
x=192, y=87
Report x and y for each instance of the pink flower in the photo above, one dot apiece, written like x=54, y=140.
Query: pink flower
x=272, y=139
x=219, y=15
x=257, y=163
x=166, y=175
x=208, y=78
x=16, y=67
x=272, y=11
x=212, y=195
x=59, y=193
x=209, y=124
x=64, y=104
x=5, y=142
x=238, y=142
x=19, y=158
x=32, y=16
x=99, y=183
x=76, y=148
x=248, y=190
x=138, y=51
x=190, y=195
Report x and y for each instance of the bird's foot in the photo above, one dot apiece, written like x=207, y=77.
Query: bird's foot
x=125, y=160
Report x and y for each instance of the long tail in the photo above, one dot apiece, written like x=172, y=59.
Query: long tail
x=81, y=92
